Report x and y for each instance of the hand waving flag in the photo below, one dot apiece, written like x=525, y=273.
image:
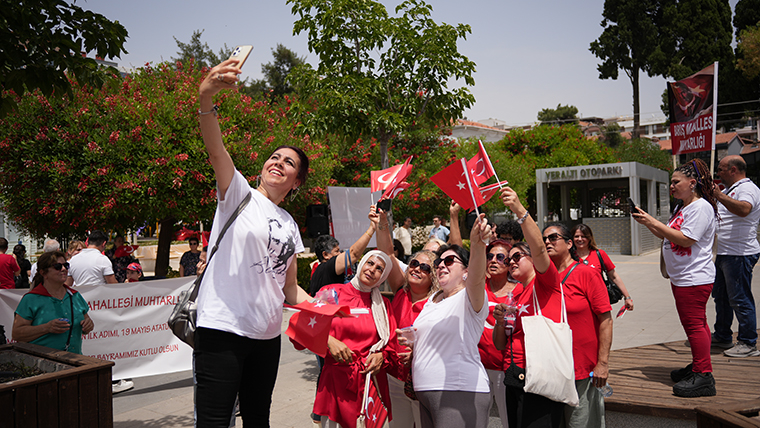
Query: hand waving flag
x=456, y=182
x=480, y=165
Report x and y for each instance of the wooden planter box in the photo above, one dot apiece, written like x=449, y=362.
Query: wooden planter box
x=75, y=391
x=740, y=415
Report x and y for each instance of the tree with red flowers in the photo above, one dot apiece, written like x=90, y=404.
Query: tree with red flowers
x=131, y=153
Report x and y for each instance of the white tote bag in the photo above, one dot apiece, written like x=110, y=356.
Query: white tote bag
x=549, y=367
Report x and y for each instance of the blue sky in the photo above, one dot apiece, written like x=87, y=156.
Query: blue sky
x=529, y=55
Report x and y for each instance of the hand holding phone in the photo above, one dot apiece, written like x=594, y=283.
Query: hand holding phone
x=631, y=206
x=241, y=54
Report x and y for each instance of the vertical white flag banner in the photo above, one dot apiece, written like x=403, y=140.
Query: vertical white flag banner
x=349, y=207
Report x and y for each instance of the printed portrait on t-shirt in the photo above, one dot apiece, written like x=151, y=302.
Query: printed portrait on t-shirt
x=280, y=248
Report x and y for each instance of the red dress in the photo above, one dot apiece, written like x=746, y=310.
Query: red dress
x=404, y=312
x=341, y=386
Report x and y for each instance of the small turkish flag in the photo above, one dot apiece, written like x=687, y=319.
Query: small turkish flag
x=374, y=412
x=311, y=326
x=379, y=180
x=491, y=189
x=457, y=184
x=125, y=251
x=392, y=190
x=480, y=165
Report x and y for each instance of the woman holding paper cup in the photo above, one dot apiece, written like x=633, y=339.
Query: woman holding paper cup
x=530, y=264
x=418, y=284
x=356, y=346
x=449, y=380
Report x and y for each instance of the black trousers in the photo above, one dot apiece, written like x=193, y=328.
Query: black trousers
x=228, y=365
x=526, y=410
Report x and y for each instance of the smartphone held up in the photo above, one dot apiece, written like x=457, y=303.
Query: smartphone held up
x=241, y=53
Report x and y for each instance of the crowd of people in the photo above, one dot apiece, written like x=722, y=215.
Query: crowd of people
x=451, y=341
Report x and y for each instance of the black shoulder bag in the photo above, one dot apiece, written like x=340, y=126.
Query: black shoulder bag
x=613, y=291
x=182, y=321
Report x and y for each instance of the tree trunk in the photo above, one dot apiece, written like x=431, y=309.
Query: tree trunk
x=164, y=245
x=636, y=103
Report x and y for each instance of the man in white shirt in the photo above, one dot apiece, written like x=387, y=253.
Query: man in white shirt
x=90, y=266
x=738, y=252
x=404, y=235
x=50, y=245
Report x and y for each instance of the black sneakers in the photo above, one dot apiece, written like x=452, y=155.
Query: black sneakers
x=680, y=374
x=695, y=385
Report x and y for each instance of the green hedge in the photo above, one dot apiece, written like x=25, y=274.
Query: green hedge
x=304, y=271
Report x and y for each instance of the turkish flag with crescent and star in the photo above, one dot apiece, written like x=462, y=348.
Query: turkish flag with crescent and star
x=455, y=181
x=491, y=189
x=311, y=326
x=393, y=188
x=374, y=411
x=124, y=251
x=480, y=165
x=379, y=180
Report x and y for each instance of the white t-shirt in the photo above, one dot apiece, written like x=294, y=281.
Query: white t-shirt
x=90, y=267
x=404, y=236
x=241, y=291
x=692, y=266
x=446, y=356
x=737, y=236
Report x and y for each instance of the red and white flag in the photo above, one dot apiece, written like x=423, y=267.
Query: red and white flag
x=379, y=180
x=374, y=412
x=403, y=173
x=124, y=251
x=456, y=182
x=310, y=327
x=492, y=189
x=480, y=165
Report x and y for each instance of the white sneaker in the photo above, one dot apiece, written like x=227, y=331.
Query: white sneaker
x=122, y=385
x=741, y=350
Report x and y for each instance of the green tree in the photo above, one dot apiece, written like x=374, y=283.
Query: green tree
x=131, y=153
x=199, y=51
x=630, y=43
x=276, y=81
x=611, y=135
x=746, y=14
x=559, y=116
x=379, y=75
x=45, y=39
x=644, y=151
x=749, y=47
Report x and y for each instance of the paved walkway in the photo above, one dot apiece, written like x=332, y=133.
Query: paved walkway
x=167, y=400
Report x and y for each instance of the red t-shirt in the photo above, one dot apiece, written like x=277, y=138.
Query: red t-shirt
x=585, y=297
x=492, y=358
x=404, y=312
x=547, y=291
x=8, y=267
x=341, y=386
x=592, y=261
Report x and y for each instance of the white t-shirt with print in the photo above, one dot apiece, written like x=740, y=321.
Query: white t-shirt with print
x=737, y=236
x=90, y=267
x=446, y=356
x=241, y=291
x=692, y=266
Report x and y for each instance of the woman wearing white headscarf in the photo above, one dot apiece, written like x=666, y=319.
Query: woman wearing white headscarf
x=356, y=345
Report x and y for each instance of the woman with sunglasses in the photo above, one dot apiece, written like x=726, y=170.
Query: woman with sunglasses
x=687, y=252
x=52, y=314
x=589, y=254
x=530, y=265
x=590, y=319
x=449, y=380
x=356, y=345
x=499, y=287
x=419, y=283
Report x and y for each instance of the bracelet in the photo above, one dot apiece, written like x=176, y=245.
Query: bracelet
x=214, y=110
x=521, y=220
x=628, y=298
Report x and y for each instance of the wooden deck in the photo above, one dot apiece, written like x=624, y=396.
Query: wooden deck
x=640, y=379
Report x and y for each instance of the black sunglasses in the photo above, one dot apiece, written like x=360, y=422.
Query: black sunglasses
x=554, y=237
x=448, y=261
x=59, y=266
x=423, y=266
x=193, y=243
x=500, y=257
x=516, y=257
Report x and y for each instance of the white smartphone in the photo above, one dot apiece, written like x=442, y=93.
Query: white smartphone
x=241, y=53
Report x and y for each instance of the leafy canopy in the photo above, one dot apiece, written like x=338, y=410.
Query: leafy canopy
x=379, y=75
x=43, y=39
x=199, y=52
x=559, y=116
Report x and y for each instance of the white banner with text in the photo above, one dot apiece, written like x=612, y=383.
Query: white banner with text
x=130, y=325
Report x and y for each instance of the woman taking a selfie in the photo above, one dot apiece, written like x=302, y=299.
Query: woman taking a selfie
x=237, y=343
